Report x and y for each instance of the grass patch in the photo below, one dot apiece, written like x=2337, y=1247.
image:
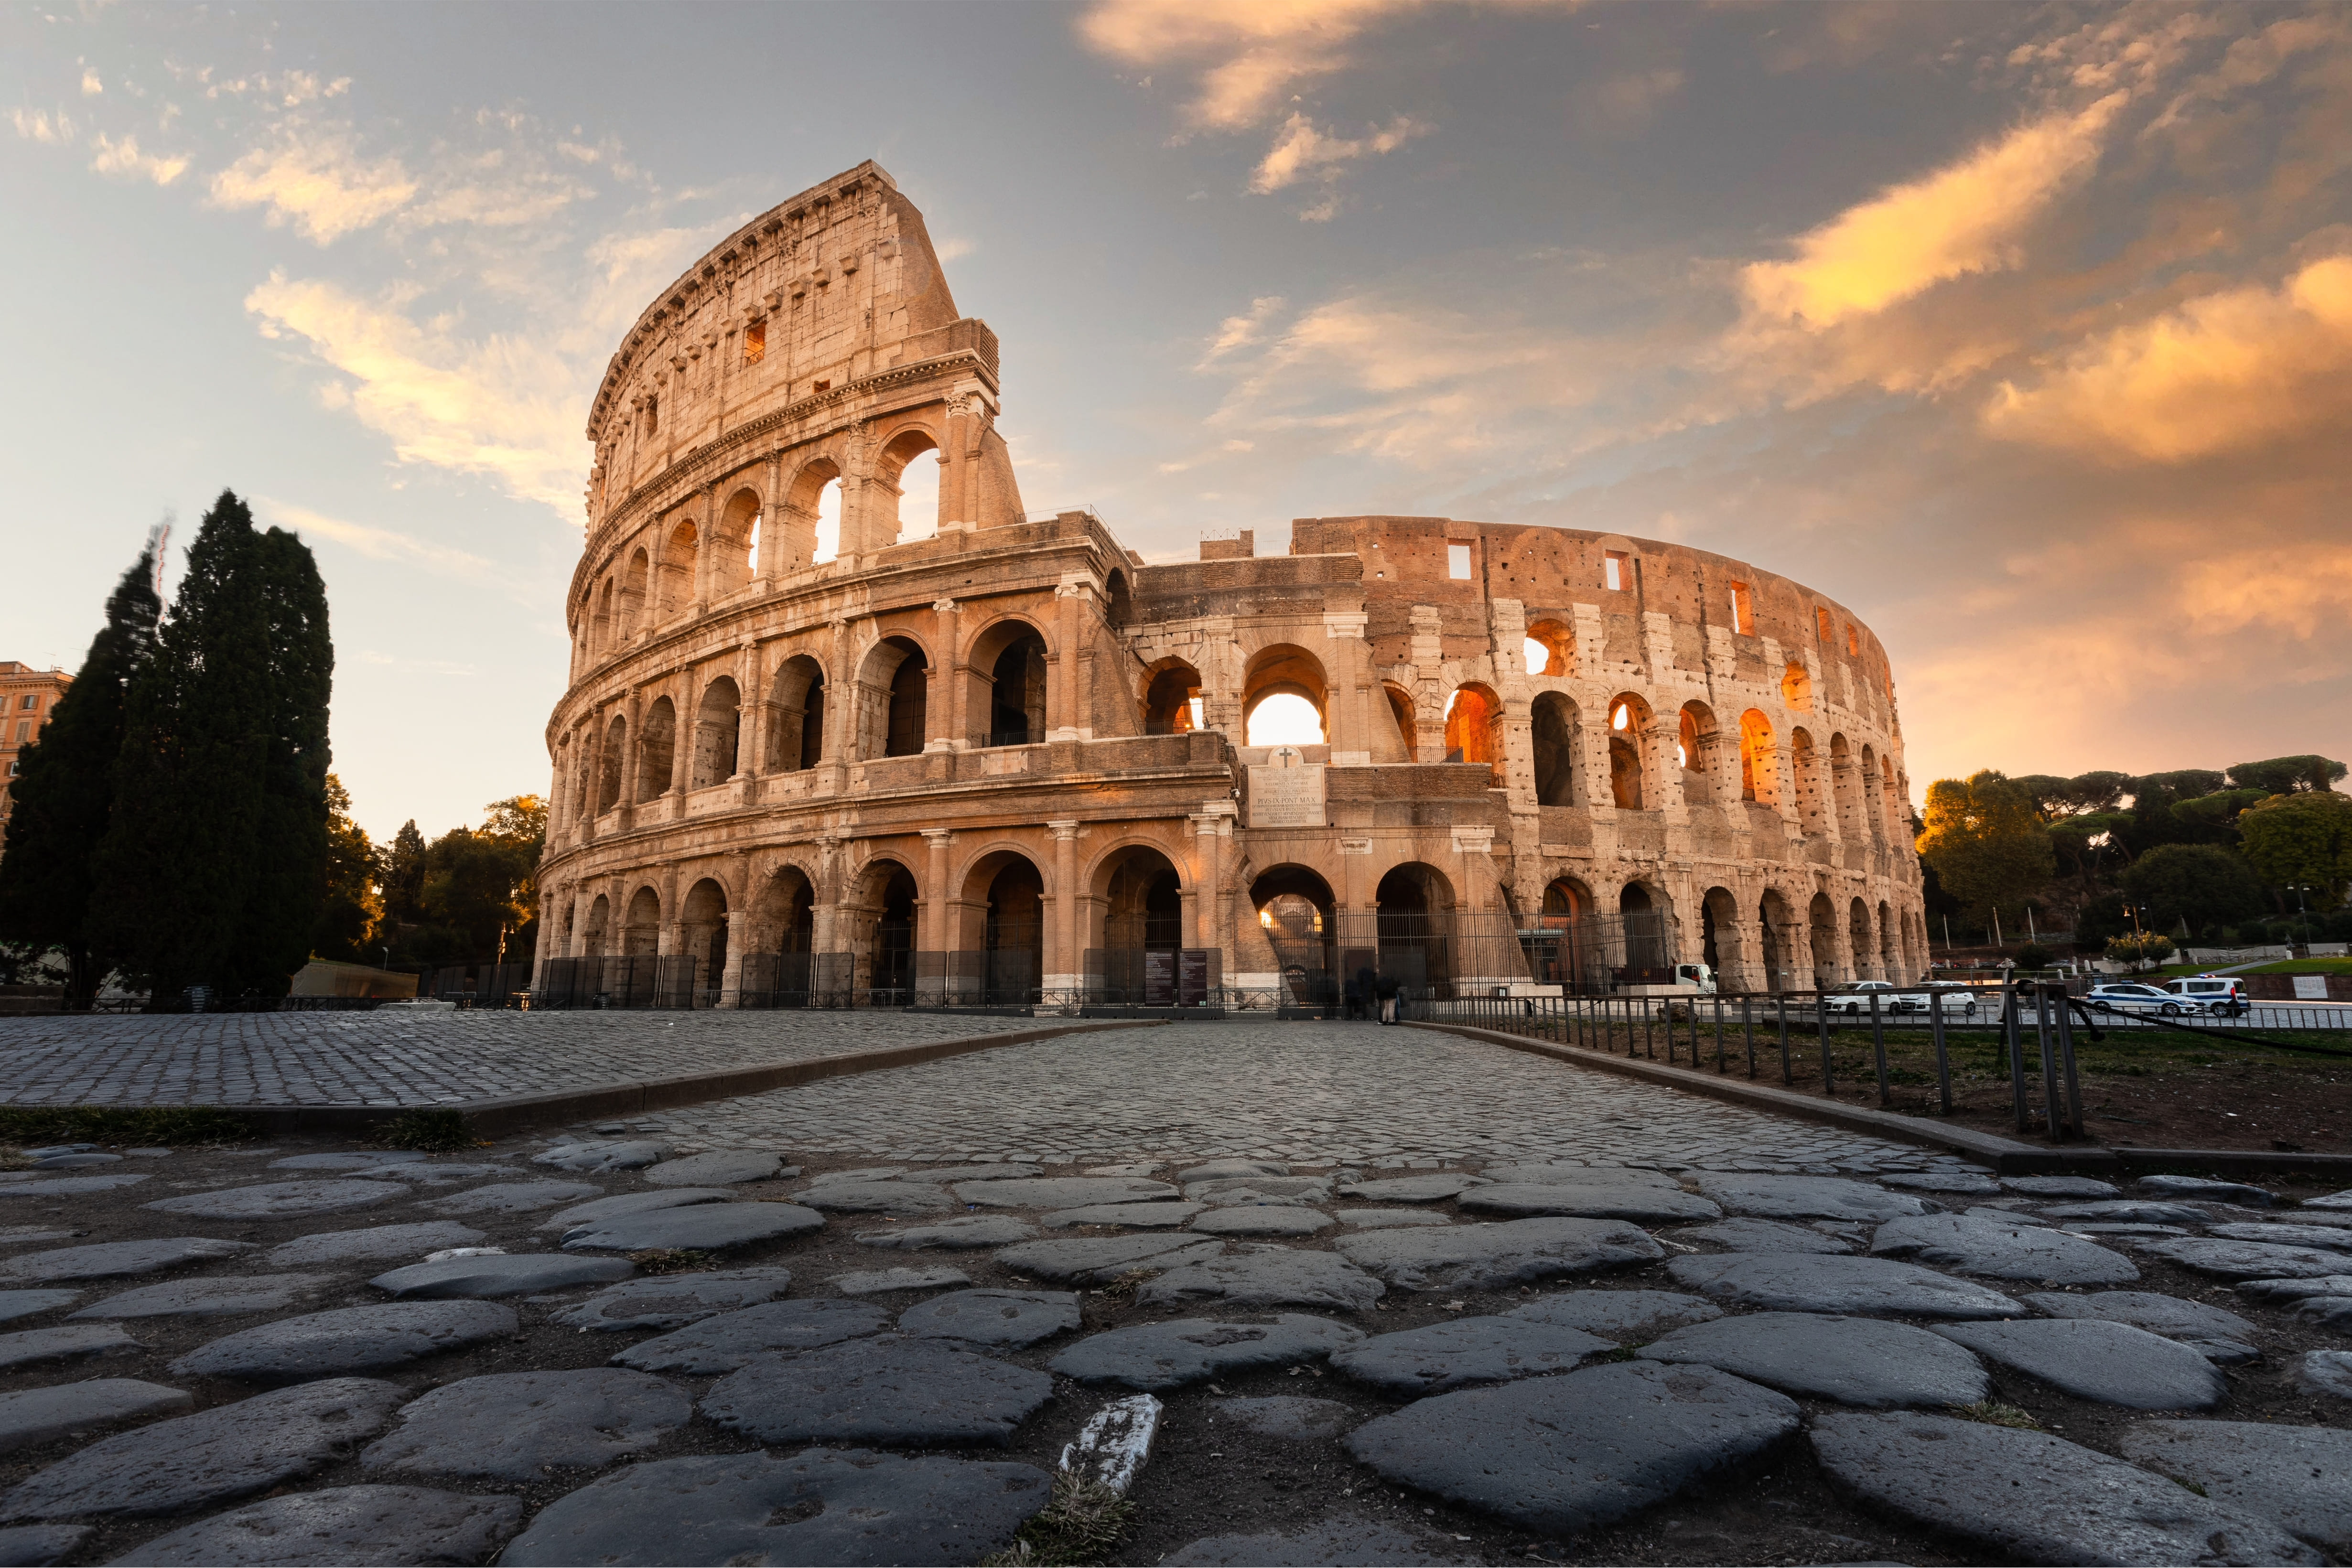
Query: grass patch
x=158, y=1126
x=428, y=1132
x=2304, y=966
x=1080, y=1523
x=1993, y=1413
x=669, y=1260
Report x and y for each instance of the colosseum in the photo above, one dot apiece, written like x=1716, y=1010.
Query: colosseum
x=816, y=750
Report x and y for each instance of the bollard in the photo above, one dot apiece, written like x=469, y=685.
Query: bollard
x=1943, y=1062
x=1878, y=1047
x=1822, y=1024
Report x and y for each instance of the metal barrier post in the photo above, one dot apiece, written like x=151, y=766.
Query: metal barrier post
x=1943, y=1062
x=1719, y=1068
x=2016, y=1053
x=2074, y=1114
x=1822, y=1026
x=1786, y=1076
x=1878, y=1048
x=1649, y=1033
x=2054, y=1115
x=1748, y=1030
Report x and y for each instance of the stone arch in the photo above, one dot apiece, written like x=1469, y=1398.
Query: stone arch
x=656, y=749
x=1648, y=915
x=1890, y=956
x=898, y=450
x=641, y=931
x=881, y=912
x=1171, y=693
x=1006, y=698
x=1134, y=905
x=734, y=544
x=1695, y=741
x=1723, y=939
x=596, y=931
x=637, y=587
x=1797, y=688
x=702, y=932
x=1408, y=727
x=1285, y=670
x=1001, y=916
x=673, y=586
x=783, y=913
x=1873, y=801
x=1474, y=725
x=613, y=765
x=1759, y=759
x=1556, y=732
x=1557, y=643
x=1820, y=920
x=1298, y=919
x=1776, y=933
x=1119, y=602
x=1845, y=791
x=718, y=734
x=1414, y=924
x=796, y=715
x=892, y=698
x=1860, y=943
x=1632, y=752
x=1805, y=772
x=791, y=532
x=601, y=631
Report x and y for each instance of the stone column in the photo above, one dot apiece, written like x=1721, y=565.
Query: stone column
x=1208, y=853
x=749, y=723
x=1063, y=713
x=731, y=981
x=944, y=718
x=1063, y=966
x=933, y=935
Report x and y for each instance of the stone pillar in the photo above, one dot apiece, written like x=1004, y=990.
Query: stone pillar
x=1063, y=965
x=933, y=935
x=749, y=729
x=944, y=718
x=731, y=981
x=632, y=749
x=1208, y=850
x=1066, y=714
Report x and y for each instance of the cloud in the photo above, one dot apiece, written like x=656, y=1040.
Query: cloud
x=1242, y=331
x=1969, y=216
x=1301, y=152
x=1250, y=52
x=39, y=125
x=2222, y=372
x=90, y=86
x=123, y=157
x=376, y=544
x=318, y=181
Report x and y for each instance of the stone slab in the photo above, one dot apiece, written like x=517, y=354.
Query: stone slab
x=282, y=1199
x=1464, y=1351
x=1509, y=1252
x=892, y=1389
x=2035, y=1498
x=1620, y=1314
x=348, y=1340
x=1860, y=1287
x=2128, y=1211
x=965, y=1234
x=2062, y=1186
x=1997, y=1250
x=1156, y=1357
x=1002, y=1171
x=516, y=1426
x=512, y=1198
x=2299, y=1478
x=2248, y=1260
x=2334, y=1200
x=64, y=1342
x=1809, y=1197
x=209, y=1298
x=619, y=1204
x=862, y=1172
x=674, y=1300
x=1854, y=1361
x=1003, y=1317
x=1287, y=1415
x=1964, y=1183
x=2335, y=1311
x=1261, y=1219
x=490, y=1275
x=856, y=1508
x=724, y=1343
x=1560, y=1456
x=1130, y=1215
x=2296, y=1290
x=625, y=1154
x=2091, y=1358
x=2193, y=1323
x=379, y=1526
x=69, y=1186
x=1619, y=1176
x=882, y=1282
x=877, y=1197
x=2205, y=1188
x=375, y=1244
x=702, y=1227
x=1258, y=1275
x=1099, y=1259
x=716, y=1167
x=1433, y=1188
x=33, y=1416
x=1388, y=1219
x=215, y=1456
x=1597, y=1200
x=1063, y=1192
x=15, y=1304
x=1329, y=1541
x=1258, y=1189
x=2324, y=1372
x=38, y=1545
x=1217, y=1170
x=114, y=1260
x=1764, y=1235
x=2326, y=1237
x=349, y=1160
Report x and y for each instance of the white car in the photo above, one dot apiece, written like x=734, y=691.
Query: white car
x=1946, y=999
x=2137, y=999
x=2218, y=993
x=1853, y=997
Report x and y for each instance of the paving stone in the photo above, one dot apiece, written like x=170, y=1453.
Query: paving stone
x=15, y=1304
x=433, y=1175
x=375, y=1244
x=2205, y=1188
x=1063, y=1192
x=1262, y=1219
x=2319, y=1236
x=348, y=1340
x=112, y=1260
x=1135, y=1215
x=632, y=1203
x=730, y=1340
x=1809, y=1197
x=863, y=1173
x=2035, y=1497
x=1388, y=1219
x=209, y=1298
x=877, y=1197
x=1431, y=1189
x=2299, y=1478
x=26, y=1235
x=881, y=1281
x=513, y=1197
x=37, y=1545
x=2000, y=1250
x=1231, y=1190
x=1854, y=1361
x=2324, y=1372
x=1216, y=1170
x=2218, y=1335
x=1598, y=1200
x=2062, y=1186
x=674, y=1300
x=716, y=1167
x=501, y=1274
x=33, y=1416
x=1287, y=1415
x=1466, y=1351
x=1099, y=1259
x=349, y=1160
x=2001, y=1216
x=1328, y=1541
x=1622, y=1175
x=2090, y=1228
x=1256, y=1274
x=1961, y=1182
x=1131, y=1168
x=359, y=1525
x=1511, y=1252
x=2092, y=1358
x=1014, y=1318
x=516, y=1426
x=1620, y=1314
x=963, y=1234
x=67, y=1340
x=2334, y=1200
x=2249, y=1260
x=1155, y=1356
x=2129, y=1211
x=2334, y=1312
x=892, y=1389
x=1005, y=1171
x=1763, y=1236
x=215, y=1456
x=701, y=1227
x=820, y=1505
x=1563, y=1455
x=1862, y=1287
x=68, y=1186
x=281, y=1200
x=628, y=1155
x=2296, y=1290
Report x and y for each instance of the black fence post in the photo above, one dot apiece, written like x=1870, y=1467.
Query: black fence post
x=1748, y=1030
x=1786, y=1077
x=1943, y=1059
x=2074, y=1112
x=1878, y=1048
x=2016, y=1053
x=2054, y=1114
x=1821, y=1027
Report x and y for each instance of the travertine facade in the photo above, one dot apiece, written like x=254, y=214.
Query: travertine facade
x=27, y=697
x=1006, y=734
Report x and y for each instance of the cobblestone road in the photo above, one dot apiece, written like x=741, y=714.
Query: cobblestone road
x=416, y=1059
x=1313, y=1093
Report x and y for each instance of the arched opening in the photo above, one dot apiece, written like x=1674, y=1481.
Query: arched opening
x=796, y=715
x=1649, y=946
x=601, y=630
x=1008, y=661
x=737, y=544
x=1820, y=916
x=1548, y=649
x=641, y=934
x=1760, y=764
x=1556, y=732
x=616, y=752
x=893, y=699
x=1889, y=953
x=788, y=533
x=596, y=935
x=1300, y=920
x=782, y=935
x=1805, y=769
x=910, y=465
x=882, y=913
x=827, y=540
x=1564, y=950
x=1473, y=726
x=1400, y=711
x=1860, y=945
x=656, y=749
x=1119, y=602
x=1846, y=789
x=718, y=729
x=1003, y=920
x=702, y=936
x=1797, y=688
x=1872, y=799
x=1723, y=945
x=1172, y=699
x=636, y=585
x=1775, y=927
x=1135, y=924
x=1283, y=695
x=1629, y=745
x=677, y=583
x=1695, y=753
x=1416, y=926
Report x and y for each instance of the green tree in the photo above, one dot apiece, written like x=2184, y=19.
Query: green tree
x=2203, y=884
x=65, y=791
x=280, y=917
x=480, y=884
x=2287, y=775
x=1984, y=838
x=351, y=914
x=404, y=875
x=2304, y=837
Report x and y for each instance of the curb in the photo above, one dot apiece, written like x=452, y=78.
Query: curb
x=626, y=1097
x=2006, y=1156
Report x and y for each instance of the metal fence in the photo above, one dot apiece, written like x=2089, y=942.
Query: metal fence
x=620, y=980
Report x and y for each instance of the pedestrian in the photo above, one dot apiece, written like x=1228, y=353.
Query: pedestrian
x=1388, y=994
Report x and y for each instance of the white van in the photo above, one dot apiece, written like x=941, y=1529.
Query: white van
x=2220, y=993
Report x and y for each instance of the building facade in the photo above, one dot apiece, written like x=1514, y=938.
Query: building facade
x=996, y=750
x=27, y=696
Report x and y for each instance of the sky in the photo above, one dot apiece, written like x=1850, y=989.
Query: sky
x=2023, y=331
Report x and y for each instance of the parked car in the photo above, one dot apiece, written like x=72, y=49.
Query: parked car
x=2140, y=999
x=1853, y=997
x=1946, y=999
x=2218, y=993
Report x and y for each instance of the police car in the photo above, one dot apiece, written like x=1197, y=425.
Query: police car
x=2138, y=998
x=2218, y=993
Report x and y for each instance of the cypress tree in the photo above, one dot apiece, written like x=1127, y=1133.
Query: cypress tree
x=290, y=880
x=65, y=791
